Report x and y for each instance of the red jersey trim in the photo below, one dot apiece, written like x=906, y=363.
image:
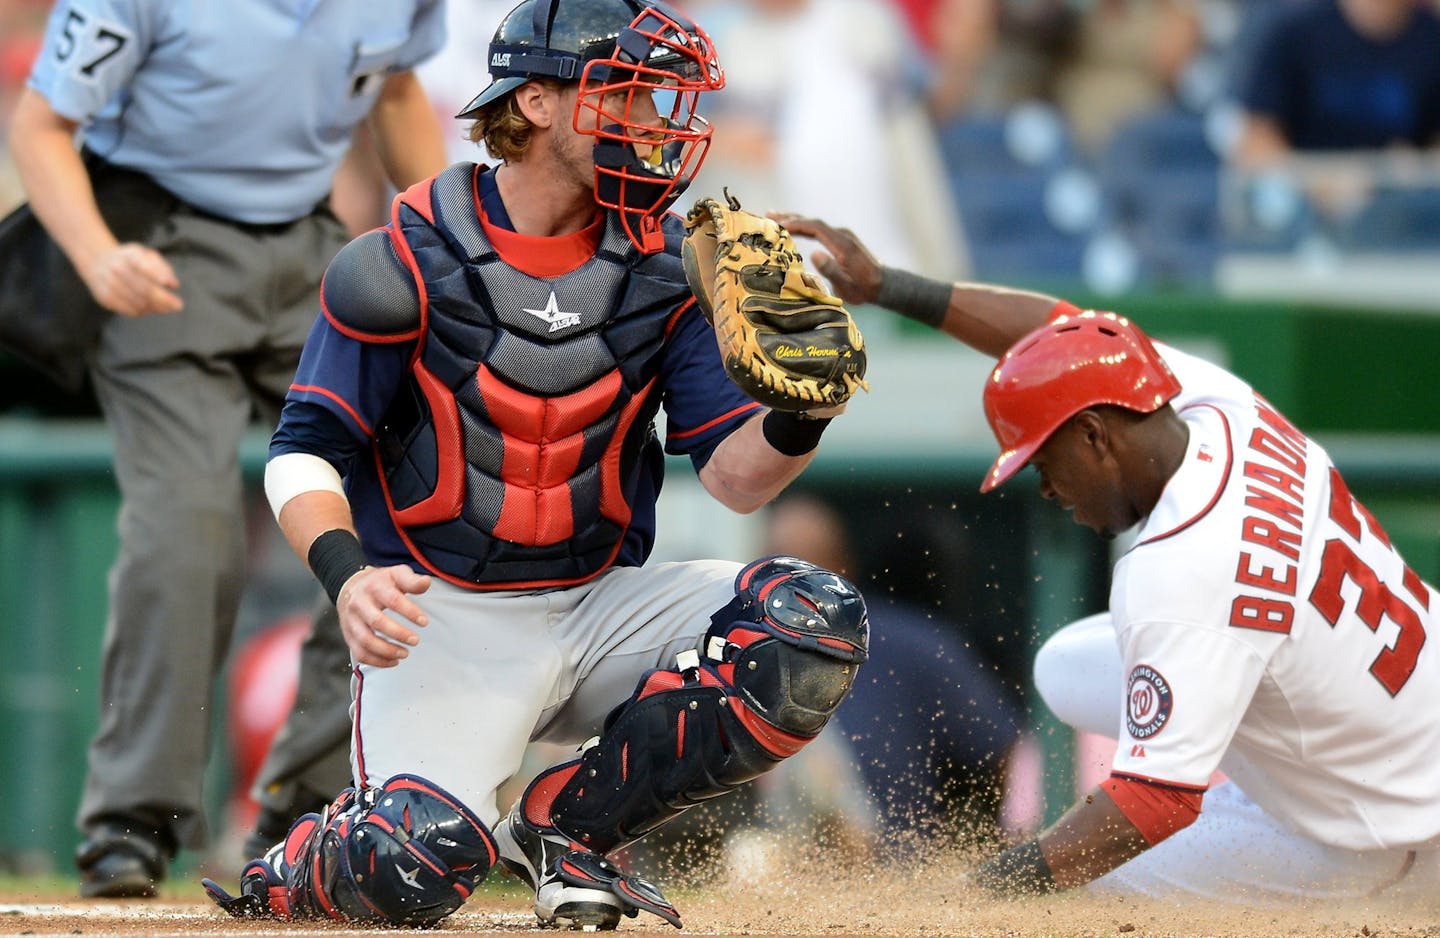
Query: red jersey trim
x=744, y=409
x=326, y=392
x=357, y=740
x=1148, y=780
x=1219, y=489
x=1157, y=809
x=539, y=256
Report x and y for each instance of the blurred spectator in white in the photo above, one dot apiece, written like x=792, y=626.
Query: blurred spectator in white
x=1342, y=75
x=824, y=112
x=461, y=71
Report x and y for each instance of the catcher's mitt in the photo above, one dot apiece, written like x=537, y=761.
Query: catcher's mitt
x=786, y=342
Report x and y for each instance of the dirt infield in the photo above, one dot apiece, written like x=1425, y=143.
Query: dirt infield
x=871, y=904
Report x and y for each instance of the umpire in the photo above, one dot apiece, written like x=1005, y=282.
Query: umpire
x=237, y=115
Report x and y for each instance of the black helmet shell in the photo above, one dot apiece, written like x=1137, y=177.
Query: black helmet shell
x=551, y=39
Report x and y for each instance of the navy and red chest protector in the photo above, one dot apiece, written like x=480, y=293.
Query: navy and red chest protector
x=511, y=458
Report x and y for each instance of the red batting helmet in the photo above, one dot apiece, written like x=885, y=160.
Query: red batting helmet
x=1069, y=364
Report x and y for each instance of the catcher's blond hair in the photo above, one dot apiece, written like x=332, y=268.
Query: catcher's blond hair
x=503, y=128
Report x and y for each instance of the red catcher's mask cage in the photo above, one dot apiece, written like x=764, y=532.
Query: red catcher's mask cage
x=640, y=106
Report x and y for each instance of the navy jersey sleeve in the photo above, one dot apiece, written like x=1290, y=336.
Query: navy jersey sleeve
x=351, y=380
x=702, y=404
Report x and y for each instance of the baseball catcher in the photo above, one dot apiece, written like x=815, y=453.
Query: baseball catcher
x=786, y=342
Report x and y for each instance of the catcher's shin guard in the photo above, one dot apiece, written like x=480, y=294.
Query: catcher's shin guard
x=407, y=853
x=778, y=660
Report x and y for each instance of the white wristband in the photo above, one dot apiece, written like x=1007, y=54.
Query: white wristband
x=291, y=474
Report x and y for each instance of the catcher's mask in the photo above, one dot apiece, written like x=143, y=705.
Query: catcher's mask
x=641, y=68
x=1068, y=364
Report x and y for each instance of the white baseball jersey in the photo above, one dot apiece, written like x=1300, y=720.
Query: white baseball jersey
x=1263, y=610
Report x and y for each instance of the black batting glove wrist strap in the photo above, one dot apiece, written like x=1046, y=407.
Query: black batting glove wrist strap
x=1017, y=872
x=793, y=434
x=913, y=296
x=334, y=558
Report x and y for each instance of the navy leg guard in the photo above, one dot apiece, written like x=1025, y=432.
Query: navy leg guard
x=407, y=853
x=779, y=659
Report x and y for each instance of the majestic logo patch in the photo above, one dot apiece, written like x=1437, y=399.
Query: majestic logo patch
x=552, y=314
x=1148, y=702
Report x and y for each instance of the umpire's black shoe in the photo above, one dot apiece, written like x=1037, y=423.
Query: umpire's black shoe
x=120, y=862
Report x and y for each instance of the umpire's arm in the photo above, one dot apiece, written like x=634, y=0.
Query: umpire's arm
x=128, y=279
x=406, y=131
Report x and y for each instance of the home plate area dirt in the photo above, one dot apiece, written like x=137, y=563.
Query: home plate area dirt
x=930, y=900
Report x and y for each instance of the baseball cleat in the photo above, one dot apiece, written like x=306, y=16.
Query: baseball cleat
x=533, y=856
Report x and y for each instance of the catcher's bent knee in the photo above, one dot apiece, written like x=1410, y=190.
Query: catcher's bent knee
x=778, y=660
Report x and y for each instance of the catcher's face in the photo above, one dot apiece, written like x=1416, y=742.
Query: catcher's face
x=631, y=116
x=639, y=107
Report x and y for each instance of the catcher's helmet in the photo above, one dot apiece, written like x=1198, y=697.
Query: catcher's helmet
x=617, y=50
x=1061, y=368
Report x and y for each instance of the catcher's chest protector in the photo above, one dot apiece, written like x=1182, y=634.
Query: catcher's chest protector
x=512, y=457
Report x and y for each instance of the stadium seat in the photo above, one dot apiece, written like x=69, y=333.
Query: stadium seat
x=1160, y=181
x=1030, y=136
x=1394, y=220
x=1009, y=232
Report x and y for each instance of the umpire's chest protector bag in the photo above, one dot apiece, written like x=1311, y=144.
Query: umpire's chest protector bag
x=47, y=316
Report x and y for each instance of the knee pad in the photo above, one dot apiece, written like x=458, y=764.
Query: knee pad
x=789, y=644
x=408, y=853
x=779, y=658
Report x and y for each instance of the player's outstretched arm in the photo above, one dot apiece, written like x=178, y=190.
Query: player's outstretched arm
x=986, y=317
x=1088, y=841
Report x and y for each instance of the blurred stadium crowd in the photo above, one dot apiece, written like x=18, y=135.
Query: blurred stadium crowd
x=1094, y=143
